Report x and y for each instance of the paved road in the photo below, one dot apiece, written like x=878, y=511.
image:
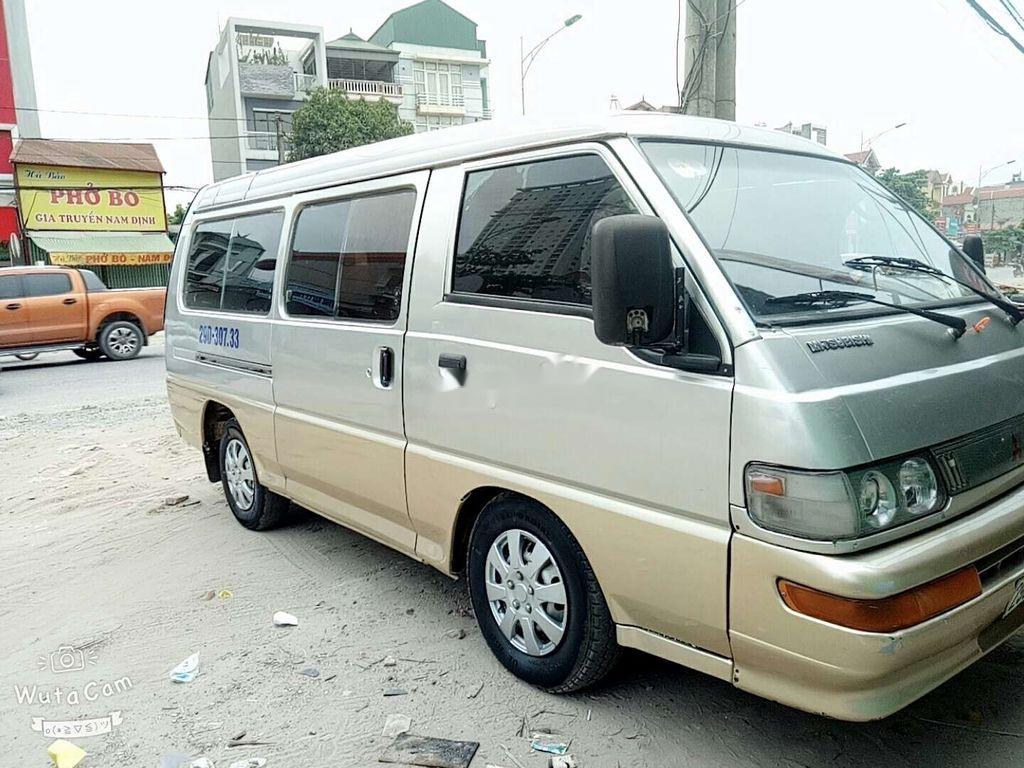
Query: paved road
x=60, y=380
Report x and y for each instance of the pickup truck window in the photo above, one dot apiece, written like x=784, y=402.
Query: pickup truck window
x=10, y=287
x=231, y=263
x=92, y=281
x=348, y=258
x=524, y=230
x=46, y=284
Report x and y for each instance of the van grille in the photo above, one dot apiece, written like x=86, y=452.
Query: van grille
x=974, y=459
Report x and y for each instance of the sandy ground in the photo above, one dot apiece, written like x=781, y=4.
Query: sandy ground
x=93, y=559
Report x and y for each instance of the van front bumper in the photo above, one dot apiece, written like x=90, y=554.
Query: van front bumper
x=852, y=675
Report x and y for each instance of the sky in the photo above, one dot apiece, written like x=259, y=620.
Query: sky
x=857, y=67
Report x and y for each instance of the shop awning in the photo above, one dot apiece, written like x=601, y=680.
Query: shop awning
x=104, y=249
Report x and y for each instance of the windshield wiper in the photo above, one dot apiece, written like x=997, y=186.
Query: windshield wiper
x=913, y=265
x=836, y=299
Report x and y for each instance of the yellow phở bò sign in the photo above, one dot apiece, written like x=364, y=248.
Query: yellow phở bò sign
x=109, y=259
x=77, y=199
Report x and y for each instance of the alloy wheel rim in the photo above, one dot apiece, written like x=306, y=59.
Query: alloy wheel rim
x=123, y=341
x=239, y=474
x=526, y=592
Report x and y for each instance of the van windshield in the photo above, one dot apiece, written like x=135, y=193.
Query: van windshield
x=782, y=225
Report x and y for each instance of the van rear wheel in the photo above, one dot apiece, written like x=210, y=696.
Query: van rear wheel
x=536, y=598
x=255, y=507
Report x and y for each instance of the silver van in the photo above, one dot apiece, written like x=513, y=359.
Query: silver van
x=673, y=384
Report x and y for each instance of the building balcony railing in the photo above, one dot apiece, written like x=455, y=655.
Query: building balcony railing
x=429, y=99
x=261, y=141
x=380, y=88
x=304, y=83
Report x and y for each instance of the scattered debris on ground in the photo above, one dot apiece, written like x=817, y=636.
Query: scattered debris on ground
x=549, y=743
x=282, y=619
x=186, y=671
x=429, y=751
x=64, y=754
x=396, y=725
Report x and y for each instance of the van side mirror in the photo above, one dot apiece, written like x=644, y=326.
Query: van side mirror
x=975, y=250
x=632, y=280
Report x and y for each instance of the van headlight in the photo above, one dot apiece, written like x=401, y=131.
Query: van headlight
x=829, y=506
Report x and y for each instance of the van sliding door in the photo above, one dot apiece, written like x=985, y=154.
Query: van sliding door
x=338, y=353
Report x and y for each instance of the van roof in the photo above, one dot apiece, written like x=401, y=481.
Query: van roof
x=461, y=143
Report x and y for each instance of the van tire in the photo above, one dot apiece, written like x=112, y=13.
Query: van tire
x=587, y=650
x=266, y=509
x=121, y=340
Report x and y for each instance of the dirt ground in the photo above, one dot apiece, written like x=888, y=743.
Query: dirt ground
x=104, y=588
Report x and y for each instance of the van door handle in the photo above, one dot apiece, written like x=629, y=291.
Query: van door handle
x=387, y=366
x=70, y=301
x=455, y=362
x=13, y=307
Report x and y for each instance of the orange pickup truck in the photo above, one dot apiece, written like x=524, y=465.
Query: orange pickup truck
x=47, y=309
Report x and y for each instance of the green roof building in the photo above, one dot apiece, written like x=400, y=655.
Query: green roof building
x=425, y=59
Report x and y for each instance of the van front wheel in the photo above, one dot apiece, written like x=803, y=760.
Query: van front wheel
x=252, y=504
x=536, y=598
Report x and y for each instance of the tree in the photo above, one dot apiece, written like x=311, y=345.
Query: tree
x=330, y=122
x=910, y=187
x=1007, y=243
x=178, y=216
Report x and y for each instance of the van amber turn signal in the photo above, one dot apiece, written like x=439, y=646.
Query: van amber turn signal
x=888, y=614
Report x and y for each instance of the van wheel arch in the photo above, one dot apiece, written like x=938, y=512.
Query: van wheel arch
x=472, y=504
x=215, y=418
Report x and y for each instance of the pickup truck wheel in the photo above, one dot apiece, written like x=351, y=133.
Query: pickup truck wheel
x=121, y=340
x=89, y=354
x=536, y=598
x=255, y=507
x=28, y=356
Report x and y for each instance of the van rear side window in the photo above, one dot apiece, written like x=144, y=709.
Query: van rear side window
x=524, y=230
x=231, y=263
x=348, y=258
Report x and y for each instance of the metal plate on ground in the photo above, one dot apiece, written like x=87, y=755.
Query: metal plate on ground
x=431, y=752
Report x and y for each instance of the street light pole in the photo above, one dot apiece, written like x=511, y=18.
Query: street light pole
x=992, y=199
x=526, y=60
x=877, y=136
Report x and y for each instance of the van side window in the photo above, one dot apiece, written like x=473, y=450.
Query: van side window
x=348, y=258
x=252, y=258
x=525, y=230
x=45, y=285
x=231, y=263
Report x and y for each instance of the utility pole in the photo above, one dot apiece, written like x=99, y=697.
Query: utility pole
x=280, y=139
x=709, y=81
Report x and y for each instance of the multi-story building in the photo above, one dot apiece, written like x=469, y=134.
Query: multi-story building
x=425, y=59
x=811, y=131
x=18, y=115
x=1001, y=206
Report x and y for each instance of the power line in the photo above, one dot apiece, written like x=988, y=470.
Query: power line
x=116, y=114
x=1014, y=13
x=994, y=24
